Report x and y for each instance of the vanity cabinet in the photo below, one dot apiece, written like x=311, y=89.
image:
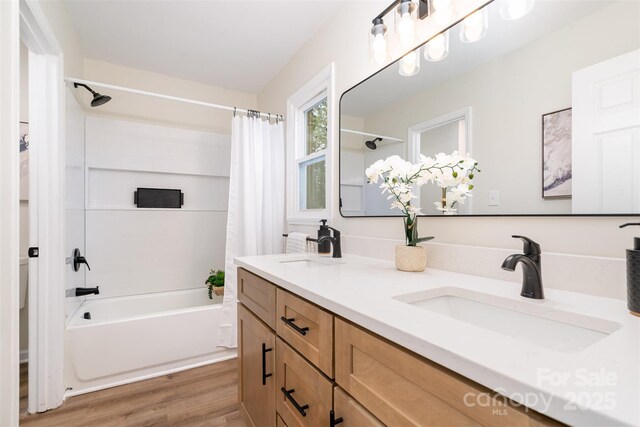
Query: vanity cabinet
x=376, y=382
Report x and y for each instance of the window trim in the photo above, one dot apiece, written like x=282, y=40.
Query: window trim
x=319, y=87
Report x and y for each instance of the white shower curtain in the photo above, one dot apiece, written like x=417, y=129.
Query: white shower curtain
x=255, y=220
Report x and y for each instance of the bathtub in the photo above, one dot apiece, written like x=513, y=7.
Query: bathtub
x=137, y=337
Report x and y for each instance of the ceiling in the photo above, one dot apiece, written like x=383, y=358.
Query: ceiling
x=235, y=44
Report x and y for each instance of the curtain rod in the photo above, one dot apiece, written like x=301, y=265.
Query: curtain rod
x=357, y=132
x=174, y=98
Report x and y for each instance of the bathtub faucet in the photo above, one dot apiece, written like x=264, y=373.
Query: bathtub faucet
x=79, y=292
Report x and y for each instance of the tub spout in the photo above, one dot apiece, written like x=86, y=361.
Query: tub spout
x=79, y=292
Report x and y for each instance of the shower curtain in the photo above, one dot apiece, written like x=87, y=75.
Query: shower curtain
x=255, y=219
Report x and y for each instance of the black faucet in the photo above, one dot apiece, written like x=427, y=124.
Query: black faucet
x=531, y=268
x=335, y=242
x=80, y=292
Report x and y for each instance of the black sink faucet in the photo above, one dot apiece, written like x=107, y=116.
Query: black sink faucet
x=531, y=268
x=335, y=242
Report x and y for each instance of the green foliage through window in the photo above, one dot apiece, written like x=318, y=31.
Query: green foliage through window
x=316, y=124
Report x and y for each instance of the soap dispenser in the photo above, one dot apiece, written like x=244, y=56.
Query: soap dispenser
x=633, y=275
x=324, y=247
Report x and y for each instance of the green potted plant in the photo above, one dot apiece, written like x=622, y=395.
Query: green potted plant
x=215, y=283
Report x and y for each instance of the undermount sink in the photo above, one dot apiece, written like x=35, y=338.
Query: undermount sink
x=532, y=322
x=310, y=261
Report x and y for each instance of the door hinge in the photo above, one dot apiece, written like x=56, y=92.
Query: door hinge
x=33, y=252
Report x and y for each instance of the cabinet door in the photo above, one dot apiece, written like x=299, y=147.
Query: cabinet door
x=256, y=364
x=303, y=393
x=350, y=413
x=401, y=388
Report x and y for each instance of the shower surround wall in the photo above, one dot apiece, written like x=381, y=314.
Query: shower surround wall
x=136, y=251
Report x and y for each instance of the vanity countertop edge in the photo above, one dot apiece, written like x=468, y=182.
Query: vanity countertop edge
x=361, y=290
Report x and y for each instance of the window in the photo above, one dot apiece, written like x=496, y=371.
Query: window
x=312, y=167
x=309, y=125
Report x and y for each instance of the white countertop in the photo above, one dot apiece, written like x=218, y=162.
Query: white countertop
x=597, y=386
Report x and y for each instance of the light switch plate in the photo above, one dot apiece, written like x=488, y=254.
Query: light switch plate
x=494, y=198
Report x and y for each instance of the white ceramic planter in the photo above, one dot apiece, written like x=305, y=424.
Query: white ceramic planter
x=411, y=258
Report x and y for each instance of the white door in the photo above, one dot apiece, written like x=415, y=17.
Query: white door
x=606, y=136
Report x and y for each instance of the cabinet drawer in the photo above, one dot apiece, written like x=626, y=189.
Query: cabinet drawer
x=279, y=422
x=303, y=395
x=258, y=295
x=256, y=365
x=401, y=388
x=307, y=328
x=352, y=413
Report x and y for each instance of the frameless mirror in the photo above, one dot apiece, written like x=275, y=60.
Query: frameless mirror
x=548, y=105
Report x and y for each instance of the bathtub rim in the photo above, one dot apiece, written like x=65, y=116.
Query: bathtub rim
x=77, y=314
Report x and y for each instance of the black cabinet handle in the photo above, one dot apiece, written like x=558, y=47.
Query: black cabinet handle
x=302, y=409
x=333, y=421
x=298, y=329
x=265, y=350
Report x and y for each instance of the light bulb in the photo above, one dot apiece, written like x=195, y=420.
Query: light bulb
x=379, y=48
x=442, y=4
x=437, y=49
x=406, y=29
x=443, y=12
x=473, y=27
x=515, y=9
x=409, y=64
x=378, y=42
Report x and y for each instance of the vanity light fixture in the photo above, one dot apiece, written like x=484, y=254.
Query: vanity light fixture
x=515, y=9
x=406, y=15
x=437, y=48
x=474, y=27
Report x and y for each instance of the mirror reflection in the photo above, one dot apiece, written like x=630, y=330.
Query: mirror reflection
x=547, y=104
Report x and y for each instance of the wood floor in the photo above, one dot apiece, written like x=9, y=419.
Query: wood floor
x=205, y=396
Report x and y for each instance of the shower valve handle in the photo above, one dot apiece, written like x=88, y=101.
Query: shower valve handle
x=79, y=259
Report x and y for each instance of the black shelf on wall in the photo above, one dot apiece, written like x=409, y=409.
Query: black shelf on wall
x=158, y=198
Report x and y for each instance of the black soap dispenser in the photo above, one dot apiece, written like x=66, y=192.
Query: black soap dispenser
x=633, y=274
x=324, y=247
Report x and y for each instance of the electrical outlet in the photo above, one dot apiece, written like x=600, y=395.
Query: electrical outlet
x=494, y=198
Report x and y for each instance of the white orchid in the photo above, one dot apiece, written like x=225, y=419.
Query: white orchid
x=453, y=196
x=400, y=177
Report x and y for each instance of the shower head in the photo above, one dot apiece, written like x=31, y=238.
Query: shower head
x=98, y=99
x=371, y=145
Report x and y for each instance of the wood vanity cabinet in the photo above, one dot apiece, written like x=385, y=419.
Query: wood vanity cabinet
x=376, y=382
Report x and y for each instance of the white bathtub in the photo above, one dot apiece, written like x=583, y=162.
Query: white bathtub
x=138, y=337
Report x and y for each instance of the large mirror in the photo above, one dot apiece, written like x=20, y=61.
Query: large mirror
x=548, y=105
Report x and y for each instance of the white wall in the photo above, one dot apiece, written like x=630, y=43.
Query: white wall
x=74, y=195
x=344, y=40
x=135, y=251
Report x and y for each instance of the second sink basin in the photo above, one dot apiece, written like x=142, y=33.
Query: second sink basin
x=527, y=321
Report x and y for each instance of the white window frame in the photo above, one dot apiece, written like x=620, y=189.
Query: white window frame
x=319, y=87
